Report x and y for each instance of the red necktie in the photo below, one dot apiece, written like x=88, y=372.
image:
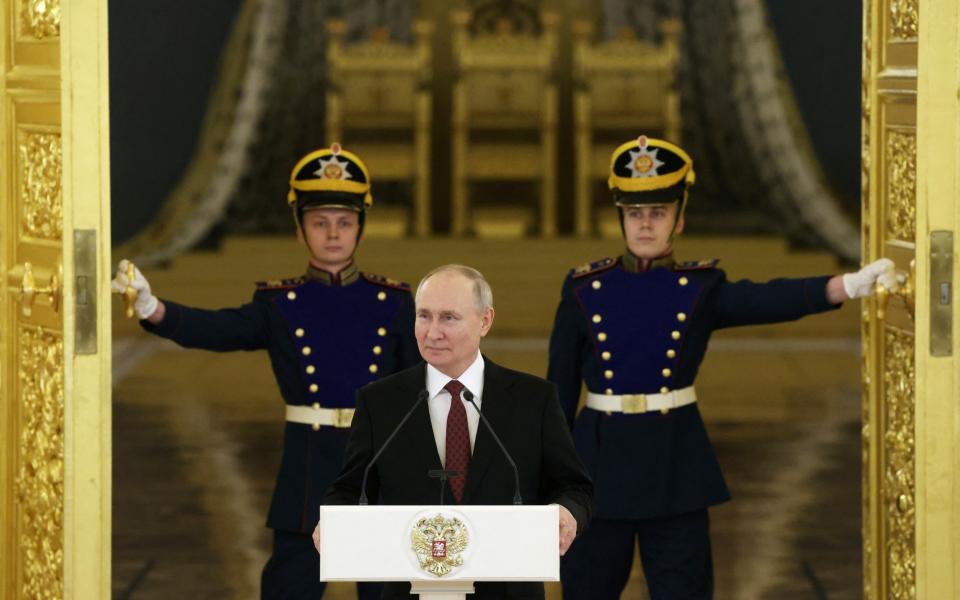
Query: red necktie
x=458, y=439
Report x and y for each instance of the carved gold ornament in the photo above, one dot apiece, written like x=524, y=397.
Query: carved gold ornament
x=904, y=18
x=901, y=161
x=439, y=544
x=898, y=478
x=39, y=484
x=40, y=18
x=41, y=195
x=866, y=431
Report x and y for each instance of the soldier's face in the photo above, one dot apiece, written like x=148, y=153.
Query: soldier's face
x=648, y=229
x=449, y=325
x=330, y=235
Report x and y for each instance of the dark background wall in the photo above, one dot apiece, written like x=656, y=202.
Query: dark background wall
x=164, y=59
x=820, y=44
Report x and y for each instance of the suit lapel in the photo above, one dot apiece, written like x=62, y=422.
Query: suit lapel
x=420, y=426
x=497, y=405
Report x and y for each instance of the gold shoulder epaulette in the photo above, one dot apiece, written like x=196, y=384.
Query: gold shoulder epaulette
x=591, y=268
x=386, y=281
x=691, y=265
x=279, y=284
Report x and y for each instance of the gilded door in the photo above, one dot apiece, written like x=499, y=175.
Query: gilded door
x=54, y=301
x=910, y=431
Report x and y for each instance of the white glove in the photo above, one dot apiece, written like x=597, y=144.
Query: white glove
x=860, y=284
x=146, y=303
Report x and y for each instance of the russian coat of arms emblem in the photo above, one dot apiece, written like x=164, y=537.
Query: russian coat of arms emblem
x=439, y=544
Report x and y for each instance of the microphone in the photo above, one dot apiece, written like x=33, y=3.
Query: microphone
x=468, y=396
x=421, y=396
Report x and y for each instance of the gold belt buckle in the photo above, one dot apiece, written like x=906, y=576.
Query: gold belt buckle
x=342, y=417
x=634, y=403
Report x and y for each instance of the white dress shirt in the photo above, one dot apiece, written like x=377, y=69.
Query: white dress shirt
x=439, y=402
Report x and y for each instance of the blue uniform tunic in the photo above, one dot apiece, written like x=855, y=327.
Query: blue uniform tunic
x=620, y=330
x=326, y=337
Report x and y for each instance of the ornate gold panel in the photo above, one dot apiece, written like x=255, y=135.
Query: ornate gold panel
x=899, y=452
x=40, y=18
x=55, y=415
x=900, y=163
x=889, y=155
x=40, y=172
x=904, y=19
x=39, y=484
x=897, y=34
x=866, y=435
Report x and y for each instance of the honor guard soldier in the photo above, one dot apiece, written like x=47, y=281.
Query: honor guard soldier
x=635, y=329
x=328, y=333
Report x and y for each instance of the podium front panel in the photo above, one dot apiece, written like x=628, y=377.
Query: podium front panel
x=502, y=543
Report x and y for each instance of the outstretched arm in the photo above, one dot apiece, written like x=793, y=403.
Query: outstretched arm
x=243, y=328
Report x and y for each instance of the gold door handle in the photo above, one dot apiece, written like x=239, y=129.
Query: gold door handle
x=29, y=289
x=905, y=290
x=130, y=294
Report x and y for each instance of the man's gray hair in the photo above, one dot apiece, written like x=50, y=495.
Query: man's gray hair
x=482, y=294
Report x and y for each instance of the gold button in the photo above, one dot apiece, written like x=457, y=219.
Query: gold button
x=667, y=372
x=291, y=295
x=316, y=406
x=306, y=351
x=608, y=374
x=374, y=368
x=597, y=318
x=671, y=353
x=381, y=332
x=609, y=392
x=681, y=317
x=382, y=296
x=664, y=411
x=684, y=281
x=602, y=336
x=675, y=335
x=316, y=426
x=377, y=349
x=596, y=284
x=605, y=355
x=314, y=387
x=311, y=369
x=664, y=390
x=299, y=332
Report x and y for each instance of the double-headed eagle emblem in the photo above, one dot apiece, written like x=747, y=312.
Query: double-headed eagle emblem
x=332, y=168
x=439, y=544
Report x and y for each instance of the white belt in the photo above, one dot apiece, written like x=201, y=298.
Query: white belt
x=317, y=416
x=640, y=403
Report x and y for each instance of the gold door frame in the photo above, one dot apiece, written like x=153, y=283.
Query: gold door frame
x=911, y=437
x=55, y=379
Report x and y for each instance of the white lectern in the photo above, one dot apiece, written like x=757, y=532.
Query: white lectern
x=440, y=550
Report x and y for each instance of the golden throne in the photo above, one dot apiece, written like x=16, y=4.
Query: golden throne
x=379, y=106
x=504, y=125
x=624, y=87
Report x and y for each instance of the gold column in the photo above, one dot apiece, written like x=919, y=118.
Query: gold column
x=938, y=209
x=911, y=435
x=55, y=417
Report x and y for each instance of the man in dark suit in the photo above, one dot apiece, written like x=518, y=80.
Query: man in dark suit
x=454, y=310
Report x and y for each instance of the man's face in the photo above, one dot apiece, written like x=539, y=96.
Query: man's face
x=449, y=323
x=648, y=228
x=331, y=236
